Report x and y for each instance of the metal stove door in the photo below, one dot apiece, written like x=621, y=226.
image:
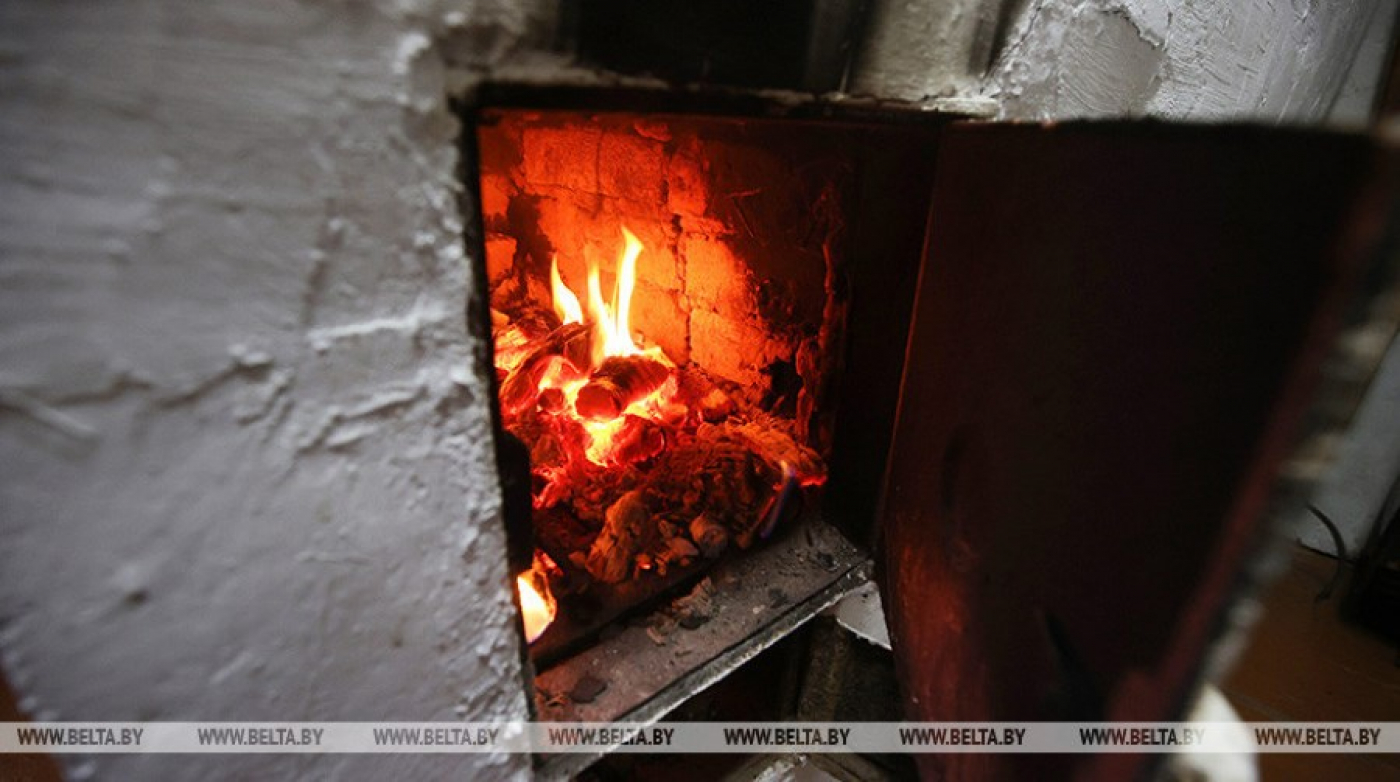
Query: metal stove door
x=1117, y=331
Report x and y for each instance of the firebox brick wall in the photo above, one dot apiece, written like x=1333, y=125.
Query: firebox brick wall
x=247, y=470
x=563, y=187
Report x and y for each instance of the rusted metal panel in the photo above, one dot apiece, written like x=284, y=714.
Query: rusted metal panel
x=1118, y=331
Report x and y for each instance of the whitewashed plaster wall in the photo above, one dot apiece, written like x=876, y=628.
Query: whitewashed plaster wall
x=244, y=470
x=1266, y=60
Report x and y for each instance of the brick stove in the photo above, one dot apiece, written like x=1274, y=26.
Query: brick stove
x=683, y=530
x=1056, y=374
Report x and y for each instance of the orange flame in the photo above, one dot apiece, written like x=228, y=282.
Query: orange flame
x=611, y=336
x=537, y=606
x=566, y=304
x=612, y=332
x=620, y=339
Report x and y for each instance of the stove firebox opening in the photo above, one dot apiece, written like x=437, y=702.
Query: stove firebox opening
x=671, y=303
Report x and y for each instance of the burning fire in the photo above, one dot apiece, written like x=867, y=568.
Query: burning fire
x=609, y=390
x=537, y=605
x=612, y=332
x=637, y=464
x=642, y=467
x=566, y=304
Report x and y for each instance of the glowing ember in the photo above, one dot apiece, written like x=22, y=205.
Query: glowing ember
x=629, y=453
x=537, y=606
x=650, y=448
x=612, y=394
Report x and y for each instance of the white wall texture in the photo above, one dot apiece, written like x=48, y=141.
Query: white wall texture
x=1269, y=60
x=245, y=472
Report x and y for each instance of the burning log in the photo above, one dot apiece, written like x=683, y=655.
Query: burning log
x=560, y=353
x=522, y=388
x=552, y=400
x=624, y=534
x=573, y=341
x=618, y=382
x=639, y=439
x=716, y=406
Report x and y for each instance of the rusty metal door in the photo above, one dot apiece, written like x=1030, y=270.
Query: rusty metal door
x=1118, y=331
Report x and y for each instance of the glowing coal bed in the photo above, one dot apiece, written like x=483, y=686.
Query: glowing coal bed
x=671, y=309
x=671, y=395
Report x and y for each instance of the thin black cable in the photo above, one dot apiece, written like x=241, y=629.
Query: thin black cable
x=1341, y=547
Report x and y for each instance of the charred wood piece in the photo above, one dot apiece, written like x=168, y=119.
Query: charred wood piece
x=625, y=532
x=711, y=536
x=784, y=503
x=618, y=382
x=562, y=352
x=638, y=440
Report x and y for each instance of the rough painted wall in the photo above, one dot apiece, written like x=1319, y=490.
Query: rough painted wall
x=916, y=50
x=244, y=472
x=1266, y=60
x=1353, y=493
